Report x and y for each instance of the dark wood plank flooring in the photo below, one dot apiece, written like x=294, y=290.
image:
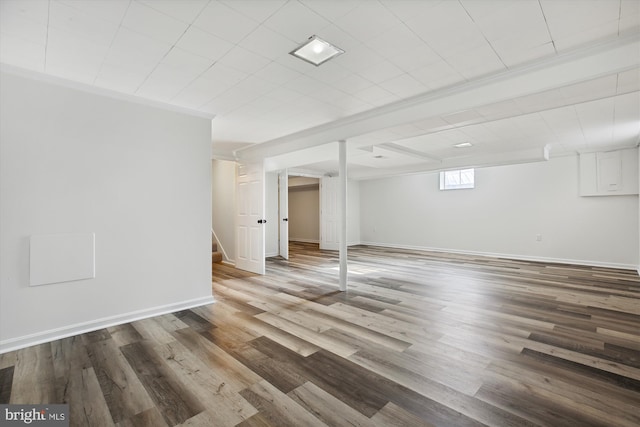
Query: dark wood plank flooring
x=420, y=339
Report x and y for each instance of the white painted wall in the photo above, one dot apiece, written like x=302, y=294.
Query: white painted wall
x=223, y=189
x=271, y=235
x=136, y=176
x=503, y=214
x=304, y=213
x=353, y=212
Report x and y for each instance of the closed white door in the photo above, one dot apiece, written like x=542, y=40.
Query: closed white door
x=250, y=218
x=329, y=213
x=283, y=181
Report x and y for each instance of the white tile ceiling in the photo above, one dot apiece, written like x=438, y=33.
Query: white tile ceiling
x=231, y=58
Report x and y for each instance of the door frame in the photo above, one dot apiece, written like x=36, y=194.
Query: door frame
x=283, y=214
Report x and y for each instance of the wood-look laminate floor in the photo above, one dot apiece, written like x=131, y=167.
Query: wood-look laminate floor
x=420, y=339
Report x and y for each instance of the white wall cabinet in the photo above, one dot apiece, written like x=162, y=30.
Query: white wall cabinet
x=611, y=173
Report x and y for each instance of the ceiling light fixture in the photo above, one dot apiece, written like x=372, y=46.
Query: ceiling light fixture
x=463, y=145
x=316, y=51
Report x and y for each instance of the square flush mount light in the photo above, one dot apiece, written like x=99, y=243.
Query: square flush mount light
x=316, y=51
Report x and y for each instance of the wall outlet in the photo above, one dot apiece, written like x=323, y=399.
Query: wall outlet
x=538, y=237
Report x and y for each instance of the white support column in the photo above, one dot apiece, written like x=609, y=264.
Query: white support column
x=342, y=208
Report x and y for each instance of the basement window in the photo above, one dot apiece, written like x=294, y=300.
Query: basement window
x=457, y=179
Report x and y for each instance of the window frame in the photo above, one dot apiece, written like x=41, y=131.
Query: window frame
x=443, y=175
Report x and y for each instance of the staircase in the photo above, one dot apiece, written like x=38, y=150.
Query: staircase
x=215, y=255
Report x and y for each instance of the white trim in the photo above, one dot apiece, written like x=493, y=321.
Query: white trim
x=96, y=90
x=509, y=256
x=93, y=325
x=294, y=239
x=271, y=254
x=230, y=263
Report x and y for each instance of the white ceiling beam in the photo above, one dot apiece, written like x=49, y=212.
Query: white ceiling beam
x=408, y=151
x=573, y=67
x=476, y=161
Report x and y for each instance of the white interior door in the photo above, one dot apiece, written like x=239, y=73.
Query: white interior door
x=329, y=213
x=250, y=218
x=283, y=181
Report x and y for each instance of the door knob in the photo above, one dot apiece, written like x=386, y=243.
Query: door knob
x=262, y=221
x=285, y=219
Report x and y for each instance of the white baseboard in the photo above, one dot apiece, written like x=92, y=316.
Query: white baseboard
x=93, y=325
x=318, y=241
x=511, y=256
x=302, y=240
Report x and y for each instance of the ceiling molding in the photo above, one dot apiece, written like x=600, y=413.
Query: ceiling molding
x=576, y=66
x=82, y=87
x=608, y=148
x=222, y=155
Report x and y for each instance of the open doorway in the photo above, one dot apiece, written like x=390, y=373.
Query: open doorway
x=299, y=214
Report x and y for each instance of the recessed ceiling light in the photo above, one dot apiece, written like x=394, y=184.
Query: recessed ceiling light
x=316, y=51
x=463, y=145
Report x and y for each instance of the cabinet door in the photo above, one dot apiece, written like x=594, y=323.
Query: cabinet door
x=609, y=171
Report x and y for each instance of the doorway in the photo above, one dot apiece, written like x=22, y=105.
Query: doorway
x=294, y=217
